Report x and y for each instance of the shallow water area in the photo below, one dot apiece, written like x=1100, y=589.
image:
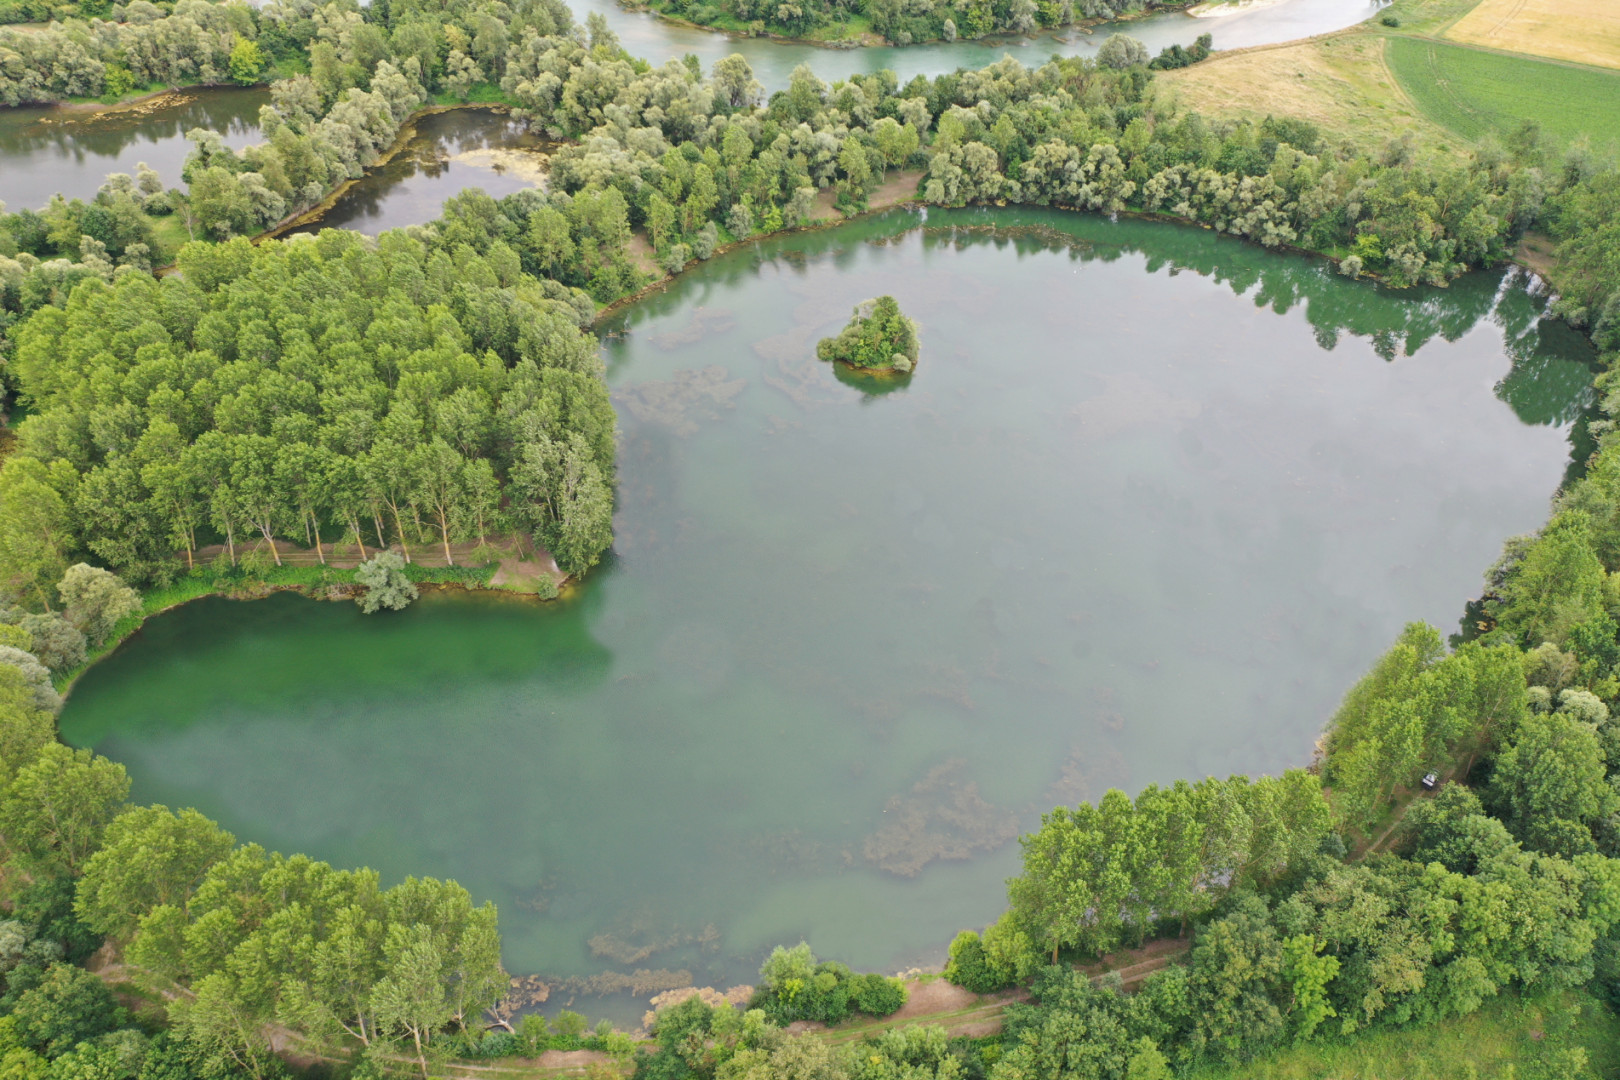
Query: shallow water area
x=445, y=154
x=1150, y=503
x=46, y=150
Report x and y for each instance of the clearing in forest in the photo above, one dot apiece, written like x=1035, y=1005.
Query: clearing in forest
x=1583, y=31
x=1473, y=92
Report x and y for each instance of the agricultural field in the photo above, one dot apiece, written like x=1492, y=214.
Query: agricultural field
x=1378, y=82
x=1474, y=93
x=1340, y=83
x=1581, y=31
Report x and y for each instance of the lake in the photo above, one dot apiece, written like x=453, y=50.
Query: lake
x=1151, y=502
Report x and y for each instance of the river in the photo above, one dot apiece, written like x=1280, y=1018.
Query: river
x=44, y=151
x=1152, y=501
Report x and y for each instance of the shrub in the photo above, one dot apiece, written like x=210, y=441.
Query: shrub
x=69, y=1006
x=876, y=995
x=59, y=644
x=1390, y=20
x=386, y=584
x=498, y=1044
x=969, y=967
x=676, y=258
x=95, y=600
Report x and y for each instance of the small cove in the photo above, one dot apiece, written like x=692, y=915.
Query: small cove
x=1152, y=500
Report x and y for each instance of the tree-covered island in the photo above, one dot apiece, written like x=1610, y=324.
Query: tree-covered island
x=877, y=338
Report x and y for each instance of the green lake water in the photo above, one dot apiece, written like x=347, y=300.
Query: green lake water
x=1151, y=502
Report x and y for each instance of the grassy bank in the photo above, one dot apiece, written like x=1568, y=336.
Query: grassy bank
x=1510, y=1036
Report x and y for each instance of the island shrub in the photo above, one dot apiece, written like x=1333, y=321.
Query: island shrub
x=877, y=338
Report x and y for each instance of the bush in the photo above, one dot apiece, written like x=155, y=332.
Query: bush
x=498, y=1044
x=969, y=967
x=794, y=986
x=1121, y=51
x=675, y=260
x=95, y=600
x=1390, y=20
x=69, y=1006
x=386, y=584
x=876, y=995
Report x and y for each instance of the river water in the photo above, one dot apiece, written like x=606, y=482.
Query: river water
x=1151, y=502
x=44, y=151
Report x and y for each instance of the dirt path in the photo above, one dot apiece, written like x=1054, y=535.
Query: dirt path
x=521, y=562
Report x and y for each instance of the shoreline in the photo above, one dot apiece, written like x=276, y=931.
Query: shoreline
x=402, y=139
x=1217, y=9
x=150, y=98
x=259, y=587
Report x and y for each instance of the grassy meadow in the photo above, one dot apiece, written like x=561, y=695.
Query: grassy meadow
x=1447, y=73
x=1473, y=92
x=1509, y=1037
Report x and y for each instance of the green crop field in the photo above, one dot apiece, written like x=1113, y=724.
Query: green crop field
x=1509, y=1036
x=1475, y=93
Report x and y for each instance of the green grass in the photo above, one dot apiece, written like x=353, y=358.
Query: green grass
x=1476, y=93
x=1510, y=1036
x=1428, y=16
x=481, y=94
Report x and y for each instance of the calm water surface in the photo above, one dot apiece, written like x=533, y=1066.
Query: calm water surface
x=1151, y=502
x=46, y=151
x=447, y=153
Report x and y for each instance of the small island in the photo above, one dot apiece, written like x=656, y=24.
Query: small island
x=878, y=339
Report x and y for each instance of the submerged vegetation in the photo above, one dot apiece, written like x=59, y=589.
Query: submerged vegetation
x=878, y=338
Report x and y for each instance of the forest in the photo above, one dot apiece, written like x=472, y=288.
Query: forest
x=439, y=386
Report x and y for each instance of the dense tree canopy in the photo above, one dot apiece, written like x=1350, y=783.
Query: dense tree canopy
x=397, y=393
x=877, y=336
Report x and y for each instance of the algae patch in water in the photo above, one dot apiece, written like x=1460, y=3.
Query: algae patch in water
x=941, y=817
